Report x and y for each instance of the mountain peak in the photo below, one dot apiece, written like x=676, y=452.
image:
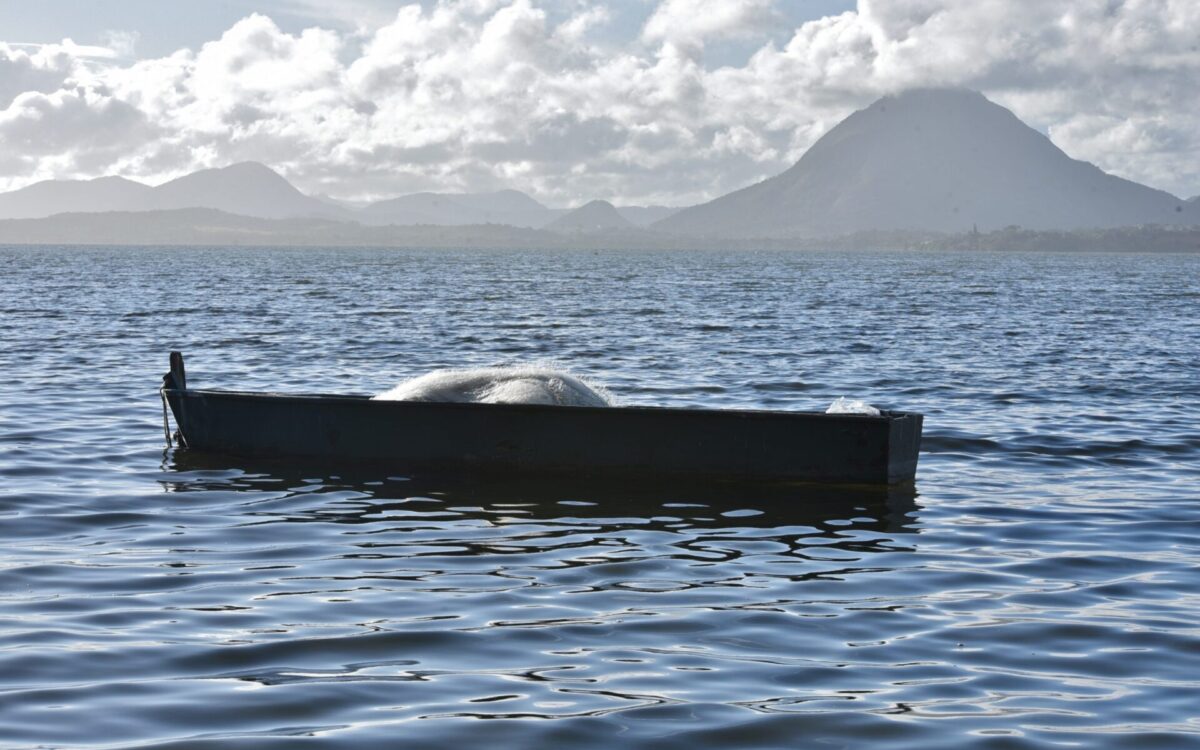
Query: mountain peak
x=249, y=188
x=242, y=170
x=933, y=105
x=51, y=197
x=251, y=169
x=248, y=166
x=593, y=216
x=930, y=159
x=113, y=179
x=934, y=94
x=455, y=209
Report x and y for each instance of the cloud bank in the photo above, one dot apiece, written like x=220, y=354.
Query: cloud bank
x=488, y=94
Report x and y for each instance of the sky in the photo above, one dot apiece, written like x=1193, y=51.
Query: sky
x=637, y=101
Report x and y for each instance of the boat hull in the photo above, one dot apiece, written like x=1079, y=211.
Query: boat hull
x=526, y=438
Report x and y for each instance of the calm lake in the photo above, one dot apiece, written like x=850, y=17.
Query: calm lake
x=1042, y=588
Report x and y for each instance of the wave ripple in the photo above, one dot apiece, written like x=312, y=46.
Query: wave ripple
x=1040, y=590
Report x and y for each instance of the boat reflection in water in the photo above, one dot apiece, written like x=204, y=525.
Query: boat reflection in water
x=360, y=496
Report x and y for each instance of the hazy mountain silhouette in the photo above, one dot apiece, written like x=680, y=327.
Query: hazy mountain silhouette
x=510, y=207
x=349, y=205
x=208, y=226
x=500, y=201
x=594, y=216
x=643, y=216
x=248, y=188
x=59, y=196
x=931, y=159
x=255, y=190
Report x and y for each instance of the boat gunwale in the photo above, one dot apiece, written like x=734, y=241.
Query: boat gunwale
x=885, y=415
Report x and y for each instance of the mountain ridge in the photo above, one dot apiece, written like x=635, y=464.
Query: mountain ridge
x=511, y=207
x=102, y=194
x=593, y=216
x=247, y=188
x=931, y=159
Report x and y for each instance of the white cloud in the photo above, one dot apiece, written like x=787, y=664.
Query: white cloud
x=361, y=15
x=121, y=43
x=579, y=25
x=74, y=132
x=485, y=94
x=42, y=69
x=690, y=22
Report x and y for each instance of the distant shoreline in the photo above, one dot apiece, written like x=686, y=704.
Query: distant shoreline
x=213, y=228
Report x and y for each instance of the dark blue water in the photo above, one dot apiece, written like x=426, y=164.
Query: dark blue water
x=1041, y=590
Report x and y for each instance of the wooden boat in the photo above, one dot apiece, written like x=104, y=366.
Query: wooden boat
x=752, y=445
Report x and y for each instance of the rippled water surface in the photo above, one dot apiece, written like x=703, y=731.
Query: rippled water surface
x=1041, y=589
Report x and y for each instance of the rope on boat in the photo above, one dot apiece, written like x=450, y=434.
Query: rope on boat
x=162, y=392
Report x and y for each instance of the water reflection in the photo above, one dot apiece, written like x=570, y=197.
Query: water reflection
x=364, y=496
x=377, y=600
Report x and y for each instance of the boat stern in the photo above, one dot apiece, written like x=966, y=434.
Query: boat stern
x=904, y=446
